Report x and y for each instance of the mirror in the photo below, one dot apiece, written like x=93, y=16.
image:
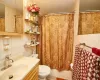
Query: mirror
x=11, y=16
x=89, y=17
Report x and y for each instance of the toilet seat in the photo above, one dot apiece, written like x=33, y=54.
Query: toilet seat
x=44, y=70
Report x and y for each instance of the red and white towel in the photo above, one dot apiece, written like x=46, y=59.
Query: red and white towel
x=86, y=65
x=96, y=51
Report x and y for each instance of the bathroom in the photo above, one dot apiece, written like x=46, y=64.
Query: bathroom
x=41, y=45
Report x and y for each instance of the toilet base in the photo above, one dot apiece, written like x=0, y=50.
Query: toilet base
x=43, y=79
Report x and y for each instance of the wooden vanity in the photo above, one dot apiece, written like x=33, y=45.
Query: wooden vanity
x=33, y=74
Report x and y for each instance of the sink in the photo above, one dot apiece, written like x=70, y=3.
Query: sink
x=14, y=72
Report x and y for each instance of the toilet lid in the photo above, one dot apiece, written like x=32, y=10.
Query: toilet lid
x=43, y=69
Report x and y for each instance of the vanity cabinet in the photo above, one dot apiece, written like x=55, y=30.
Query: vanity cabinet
x=33, y=74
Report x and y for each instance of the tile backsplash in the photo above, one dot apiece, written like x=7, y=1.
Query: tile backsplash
x=16, y=49
x=15, y=46
x=92, y=40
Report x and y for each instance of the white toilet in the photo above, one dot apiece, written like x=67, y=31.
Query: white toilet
x=44, y=70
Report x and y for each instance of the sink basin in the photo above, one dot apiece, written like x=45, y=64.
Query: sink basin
x=14, y=72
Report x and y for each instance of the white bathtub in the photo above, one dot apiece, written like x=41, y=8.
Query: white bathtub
x=67, y=75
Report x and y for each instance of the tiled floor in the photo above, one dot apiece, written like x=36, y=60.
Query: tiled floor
x=66, y=75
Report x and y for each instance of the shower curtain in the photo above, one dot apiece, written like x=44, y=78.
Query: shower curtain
x=89, y=23
x=57, y=40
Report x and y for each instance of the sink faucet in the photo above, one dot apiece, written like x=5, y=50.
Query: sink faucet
x=7, y=62
x=7, y=58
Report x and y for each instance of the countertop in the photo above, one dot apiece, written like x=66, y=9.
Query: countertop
x=25, y=65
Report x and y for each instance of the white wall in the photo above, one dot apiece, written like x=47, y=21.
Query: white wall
x=16, y=50
x=92, y=40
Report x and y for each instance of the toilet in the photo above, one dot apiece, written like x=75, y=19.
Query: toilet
x=44, y=70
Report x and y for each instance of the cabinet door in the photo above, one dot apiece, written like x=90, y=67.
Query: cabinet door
x=19, y=25
x=33, y=74
x=2, y=24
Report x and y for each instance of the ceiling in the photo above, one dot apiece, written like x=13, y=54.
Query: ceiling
x=18, y=4
x=89, y=5
x=56, y=6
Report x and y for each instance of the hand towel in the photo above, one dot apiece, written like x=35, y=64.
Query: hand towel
x=96, y=51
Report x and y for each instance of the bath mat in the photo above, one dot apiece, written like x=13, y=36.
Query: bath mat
x=59, y=79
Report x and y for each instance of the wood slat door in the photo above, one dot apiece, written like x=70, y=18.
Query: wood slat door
x=33, y=74
x=2, y=24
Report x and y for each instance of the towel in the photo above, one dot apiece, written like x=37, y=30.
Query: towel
x=96, y=51
x=86, y=65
